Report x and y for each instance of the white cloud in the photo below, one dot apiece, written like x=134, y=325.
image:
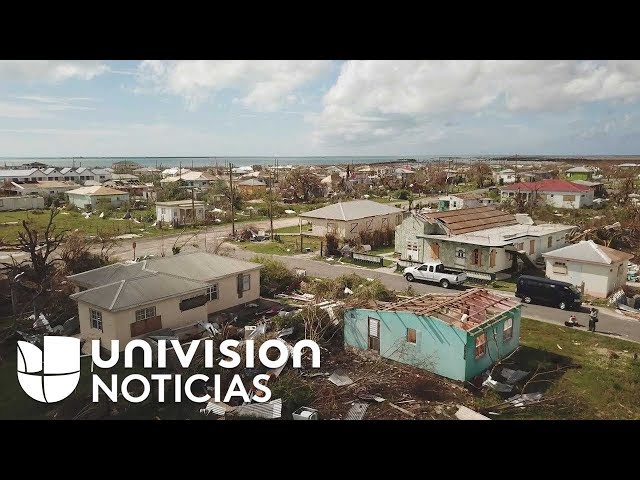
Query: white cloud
x=390, y=95
x=50, y=70
x=265, y=84
x=36, y=106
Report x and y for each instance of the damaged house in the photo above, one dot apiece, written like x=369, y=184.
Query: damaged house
x=127, y=300
x=481, y=241
x=457, y=335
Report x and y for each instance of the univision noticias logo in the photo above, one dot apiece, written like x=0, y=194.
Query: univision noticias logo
x=51, y=374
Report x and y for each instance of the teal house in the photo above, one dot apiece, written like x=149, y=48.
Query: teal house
x=457, y=335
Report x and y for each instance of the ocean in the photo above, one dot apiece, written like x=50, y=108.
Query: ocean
x=201, y=161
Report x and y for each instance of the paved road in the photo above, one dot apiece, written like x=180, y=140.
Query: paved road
x=609, y=322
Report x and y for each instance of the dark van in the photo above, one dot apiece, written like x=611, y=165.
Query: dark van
x=562, y=295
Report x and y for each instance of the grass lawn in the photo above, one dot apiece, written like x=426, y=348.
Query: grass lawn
x=386, y=263
x=503, y=285
x=605, y=386
x=288, y=245
x=291, y=229
x=382, y=250
x=72, y=220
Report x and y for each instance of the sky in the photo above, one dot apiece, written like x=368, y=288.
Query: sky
x=318, y=108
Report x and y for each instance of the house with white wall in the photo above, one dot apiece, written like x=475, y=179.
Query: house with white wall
x=22, y=175
x=505, y=176
x=179, y=212
x=553, y=192
x=347, y=220
x=130, y=300
x=87, y=197
x=597, y=270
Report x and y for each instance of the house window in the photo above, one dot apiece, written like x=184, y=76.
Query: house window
x=492, y=258
x=619, y=269
x=435, y=248
x=212, y=292
x=96, y=319
x=411, y=335
x=549, y=242
x=520, y=246
x=481, y=345
x=560, y=268
x=460, y=253
x=507, y=333
x=246, y=282
x=568, y=198
x=145, y=313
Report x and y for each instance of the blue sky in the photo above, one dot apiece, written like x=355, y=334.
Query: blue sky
x=296, y=108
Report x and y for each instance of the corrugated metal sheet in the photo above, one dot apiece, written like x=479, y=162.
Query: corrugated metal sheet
x=472, y=219
x=272, y=409
x=357, y=411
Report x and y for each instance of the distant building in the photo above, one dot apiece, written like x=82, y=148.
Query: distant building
x=44, y=188
x=192, y=179
x=348, y=219
x=596, y=269
x=505, y=177
x=174, y=172
x=179, y=212
x=36, y=165
x=101, y=174
x=457, y=336
x=557, y=193
x=21, y=203
x=252, y=186
x=461, y=200
x=21, y=175
x=85, y=197
x=579, y=173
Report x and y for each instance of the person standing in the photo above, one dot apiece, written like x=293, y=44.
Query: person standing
x=593, y=318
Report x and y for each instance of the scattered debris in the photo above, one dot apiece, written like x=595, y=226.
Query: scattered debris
x=357, y=411
x=406, y=401
x=317, y=374
x=219, y=408
x=340, y=379
x=373, y=398
x=465, y=413
x=513, y=376
x=407, y=412
x=559, y=346
x=348, y=291
x=285, y=332
x=497, y=386
x=525, y=399
x=613, y=354
x=306, y=413
x=272, y=409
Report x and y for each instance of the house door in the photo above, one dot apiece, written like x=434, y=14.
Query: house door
x=374, y=335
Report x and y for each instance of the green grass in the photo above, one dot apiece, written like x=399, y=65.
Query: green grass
x=382, y=250
x=72, y=220
x=291, y=229
x=604, y=387
x=386, y=263
x=288, y=245
x=503, y=285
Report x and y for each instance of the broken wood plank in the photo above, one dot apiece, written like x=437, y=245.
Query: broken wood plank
x=406, y=412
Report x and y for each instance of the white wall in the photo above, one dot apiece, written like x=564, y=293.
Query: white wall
x=352, y=228
x=21, y=203
x=599, y=280
x=556, y=199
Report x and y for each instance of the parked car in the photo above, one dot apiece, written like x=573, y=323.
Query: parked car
x=435, y=272
x=562, y=295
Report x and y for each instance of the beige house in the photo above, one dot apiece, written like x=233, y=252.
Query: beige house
x=347, y=219
x=596, y=269
x=129, y=300
x=179, y=212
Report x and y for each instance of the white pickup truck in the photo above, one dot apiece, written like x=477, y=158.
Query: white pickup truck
x=435, y=272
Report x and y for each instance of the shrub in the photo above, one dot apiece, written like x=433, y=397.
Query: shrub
x=276, y=277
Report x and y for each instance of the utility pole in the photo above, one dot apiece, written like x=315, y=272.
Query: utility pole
x=271, y=203
x=193, y=206
x=180, y=171
x=233, y=220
